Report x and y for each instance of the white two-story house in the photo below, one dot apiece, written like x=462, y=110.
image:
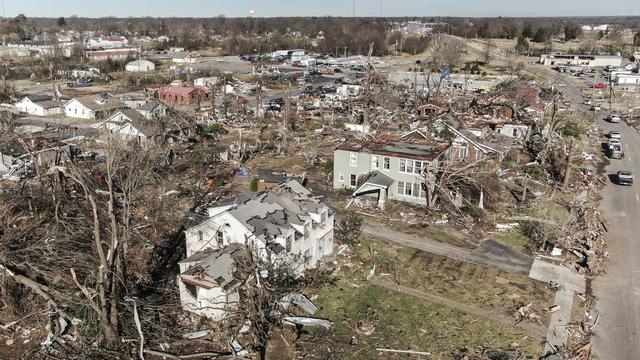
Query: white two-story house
x=285, y=227
x=386, y=169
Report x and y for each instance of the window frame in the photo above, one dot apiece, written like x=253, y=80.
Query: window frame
x=353, y=159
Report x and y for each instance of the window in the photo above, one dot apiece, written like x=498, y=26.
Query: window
x=418, y=167
x=353, y=180
x=409, y=166
x=462, y=151
x=400, y=187
x=386, y=163
x=416, y=189
x=200, y=236
x=219, y=237
x=515, y=132
x=353, y=159
x=403, y=165
x=408, y=189
x=375, y=163
x=341, y=177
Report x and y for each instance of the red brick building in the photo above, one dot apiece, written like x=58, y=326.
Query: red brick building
x=184, y=95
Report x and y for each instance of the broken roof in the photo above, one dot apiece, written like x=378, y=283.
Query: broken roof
x=404, y=148
x=227, y=267
x=270, y=213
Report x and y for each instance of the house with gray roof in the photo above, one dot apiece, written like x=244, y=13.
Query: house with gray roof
x=210, y=280
x=285, y=227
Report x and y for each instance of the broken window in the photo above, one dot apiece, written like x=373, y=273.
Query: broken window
x=191, y=289
x=200, y=236
x=416, y=190
x=418, y=167
x=219, y=237
x=353, y=180
x=353, y=159
x=515, y=132
x=386, y=163
x=374, y=162
x=462, y=151
x=403, y=165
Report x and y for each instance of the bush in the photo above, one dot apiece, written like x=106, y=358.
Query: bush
x=348, y=229
x=328, y=167
x=254, y=184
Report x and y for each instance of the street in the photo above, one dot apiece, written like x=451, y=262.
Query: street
x=618, y=291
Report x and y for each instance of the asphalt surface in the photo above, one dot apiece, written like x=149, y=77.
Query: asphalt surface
x=618, y=291
x=490, y=253
x=617, y=333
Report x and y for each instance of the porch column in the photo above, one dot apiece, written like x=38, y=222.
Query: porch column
x=382, y=197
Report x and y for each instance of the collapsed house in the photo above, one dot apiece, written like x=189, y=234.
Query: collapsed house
x=285, y=227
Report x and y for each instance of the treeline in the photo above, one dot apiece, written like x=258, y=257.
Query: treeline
x=332, y=35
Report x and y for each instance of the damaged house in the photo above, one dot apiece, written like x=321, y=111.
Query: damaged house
x=285, y=227
x=210, y=280
x=386, y=168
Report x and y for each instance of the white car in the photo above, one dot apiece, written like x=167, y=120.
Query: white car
x=615, y=134
x=587, y=102
x=595, y=107
x=614, y=118
x=614, y=142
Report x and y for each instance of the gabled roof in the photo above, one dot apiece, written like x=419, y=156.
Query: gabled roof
x=99, y=102
x=37, y=97
x=145, y=126
x=227, y=267
x=271, y=213
x=404, y=148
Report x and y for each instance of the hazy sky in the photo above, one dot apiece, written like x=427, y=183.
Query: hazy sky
x=265, y=8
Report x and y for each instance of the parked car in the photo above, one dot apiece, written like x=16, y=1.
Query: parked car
x=613, y=118
x=624, y=177
x=615, y=134
x=614, y=142
x=615, y=152
x=599, y=86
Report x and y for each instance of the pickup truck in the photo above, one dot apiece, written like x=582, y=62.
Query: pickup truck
x=625, y=177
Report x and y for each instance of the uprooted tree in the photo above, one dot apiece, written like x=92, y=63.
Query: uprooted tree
x=76, y=237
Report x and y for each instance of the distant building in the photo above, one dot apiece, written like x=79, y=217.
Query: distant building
x=128, y=124
x=107, y=42
x=206, y=81
x=140, y=66
x=111, y=54
x=185, y=57
x=92, y=106
x=585, y=60
x=184, y=95
x=39, y=106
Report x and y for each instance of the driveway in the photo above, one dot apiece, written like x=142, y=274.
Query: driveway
x=490, y=253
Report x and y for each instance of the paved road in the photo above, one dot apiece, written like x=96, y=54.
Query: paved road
x=617, y=335
x=490, y=253
x=618, y=291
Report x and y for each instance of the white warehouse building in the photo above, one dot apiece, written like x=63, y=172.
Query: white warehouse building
x=584, y=60
x=140, y=66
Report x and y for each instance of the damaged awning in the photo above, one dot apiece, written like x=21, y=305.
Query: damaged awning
x=375, y=181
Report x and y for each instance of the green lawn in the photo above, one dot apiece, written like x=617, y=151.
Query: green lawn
x=407, y=323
